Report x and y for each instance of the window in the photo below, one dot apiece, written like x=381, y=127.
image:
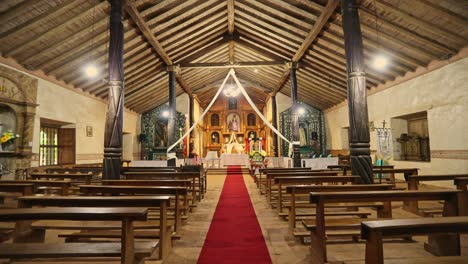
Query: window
x=48, y=149
x=214, y=120
x=251, y=120
x=412, y=137
x=57, y=146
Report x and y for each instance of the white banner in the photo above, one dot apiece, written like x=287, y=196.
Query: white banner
x=384, y=143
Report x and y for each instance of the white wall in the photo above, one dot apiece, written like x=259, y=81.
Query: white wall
x=60, y=104
x=443, y=93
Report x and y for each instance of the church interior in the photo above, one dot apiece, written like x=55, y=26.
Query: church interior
x=233, y=131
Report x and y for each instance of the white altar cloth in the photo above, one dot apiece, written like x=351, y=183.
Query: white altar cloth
x=319, y=163
x=235, y=159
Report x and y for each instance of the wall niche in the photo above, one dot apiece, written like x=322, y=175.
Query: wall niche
x=18, y=97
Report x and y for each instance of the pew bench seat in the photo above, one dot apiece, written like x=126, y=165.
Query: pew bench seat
x=438, y=260
x=375, y=231
x=301, y=215
x=60, y=250
x=337, y=224
x=77, y=225
x=112, y=234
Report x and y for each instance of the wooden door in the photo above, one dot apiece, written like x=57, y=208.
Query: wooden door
x=66, y=142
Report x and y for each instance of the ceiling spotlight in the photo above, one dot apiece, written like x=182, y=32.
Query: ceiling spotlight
x=301, y=110
x=380, y=62
x=165, y=113
x=256, y=70
x=91, y=70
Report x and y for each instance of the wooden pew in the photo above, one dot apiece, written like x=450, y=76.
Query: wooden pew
x=175, y=191
x=62, y=186
x=127, y=249
x=319, y=226
x=413, y=182
x=271, y=176
x=194, y=176
x=295, y=190
x=74, y=177
x=281, y=181
x=346, y=167
x=161, y=202
x=23, y=188
x=178, y=183
x=375, y=231
x=265, y=171
x=406, y=171
x=462, y=184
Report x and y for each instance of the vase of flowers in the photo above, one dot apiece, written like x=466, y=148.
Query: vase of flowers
x=7, y=140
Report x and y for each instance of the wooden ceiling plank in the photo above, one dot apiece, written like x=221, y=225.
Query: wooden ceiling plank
x=285, y=43
x=78, y=38
x=48, y=15
x=209, y=48
x=188, y=36
x=174, y=27
x=272, y=20
x=248, y=19
x=424, y=25
x=263, y=43
x=52, y=32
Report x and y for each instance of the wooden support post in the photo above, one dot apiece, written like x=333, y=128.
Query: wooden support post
x=359, y=145
x=172, y=106
x=115, y=106
x=275, y=125
x=295, y=117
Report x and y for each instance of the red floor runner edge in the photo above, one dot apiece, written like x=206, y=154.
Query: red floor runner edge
x=234, y=235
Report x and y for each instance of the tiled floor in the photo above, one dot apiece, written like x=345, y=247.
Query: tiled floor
x=283, y=247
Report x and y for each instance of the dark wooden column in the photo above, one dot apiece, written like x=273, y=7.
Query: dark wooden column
x=359, y=146
x=172, y=107
x=295, y=117
x=115, y=106
x=275, y=124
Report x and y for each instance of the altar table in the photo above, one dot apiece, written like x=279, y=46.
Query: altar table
x=319, y=163
x=235, y=159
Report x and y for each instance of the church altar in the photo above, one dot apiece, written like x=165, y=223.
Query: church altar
x=235, y=159
x=319, y=163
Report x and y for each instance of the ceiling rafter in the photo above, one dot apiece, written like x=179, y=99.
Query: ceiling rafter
x=319, y=24
x=141, y=24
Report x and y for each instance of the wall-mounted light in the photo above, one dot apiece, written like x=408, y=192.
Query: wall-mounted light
x=165, y=114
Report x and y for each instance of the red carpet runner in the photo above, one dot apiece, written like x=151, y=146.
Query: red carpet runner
x=234, y=235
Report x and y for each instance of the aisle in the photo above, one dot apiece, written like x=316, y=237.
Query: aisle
x=234, y=235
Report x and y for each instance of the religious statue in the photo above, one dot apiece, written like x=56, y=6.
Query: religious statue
x=234, y=124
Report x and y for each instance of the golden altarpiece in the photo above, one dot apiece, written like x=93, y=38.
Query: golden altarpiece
x=229, y=124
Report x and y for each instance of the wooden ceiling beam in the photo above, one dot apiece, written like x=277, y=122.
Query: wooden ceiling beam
x=322, y=20
x=230, y=15
x=318, y=26
x=141, y=24
x=243, y=64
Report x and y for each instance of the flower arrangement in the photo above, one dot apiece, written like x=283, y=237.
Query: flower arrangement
x=257, y=155
x=8, y=137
